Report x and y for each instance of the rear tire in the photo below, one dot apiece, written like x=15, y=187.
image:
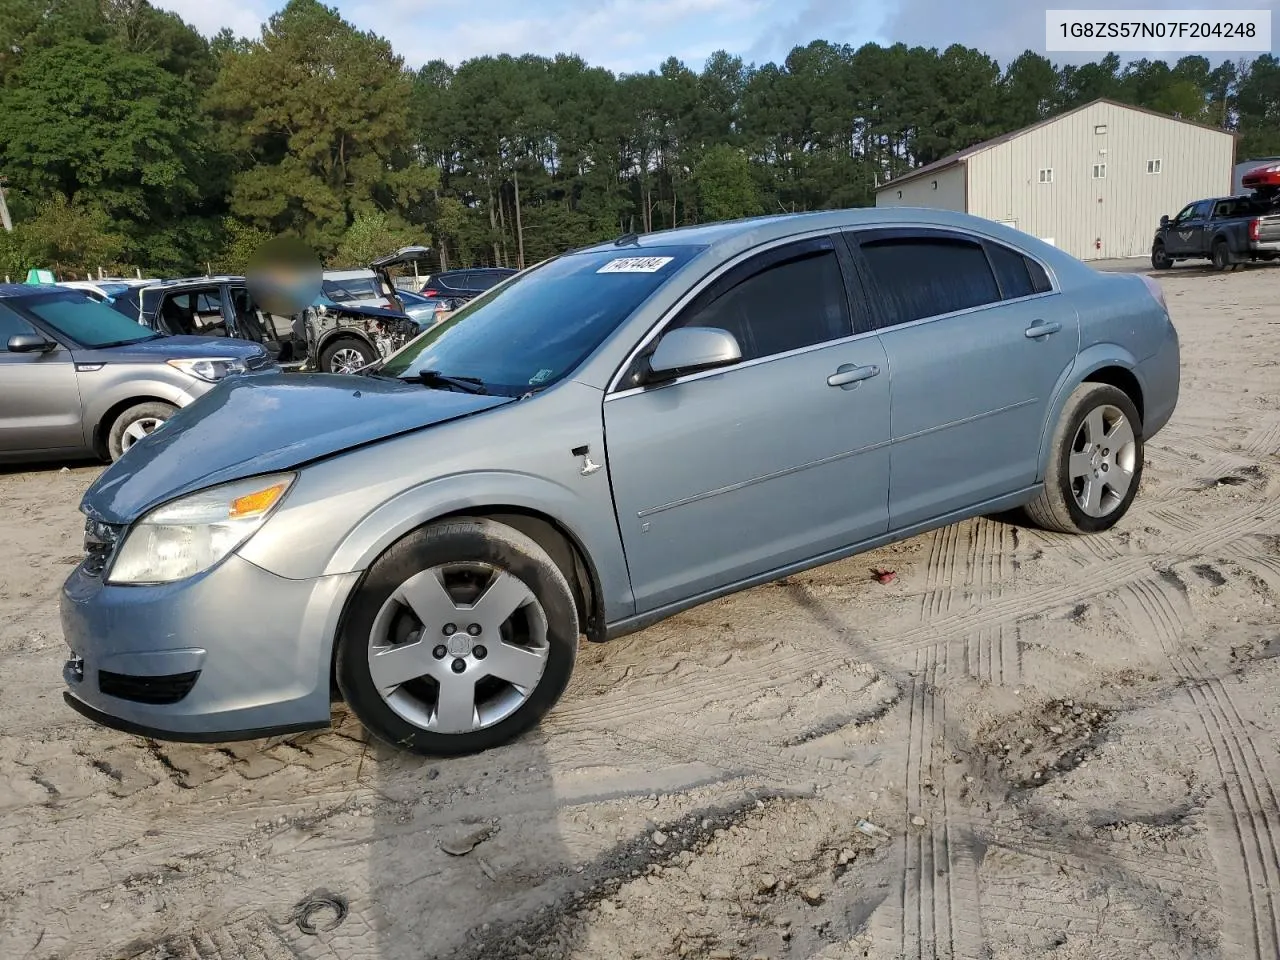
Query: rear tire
x=1222, y=259
x=134, y=424
x=1095, y=464
x=346, y=355
x=457, y=671
x=1160, y=257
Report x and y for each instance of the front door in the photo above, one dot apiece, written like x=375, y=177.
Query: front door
x=1185, y=236
x=40, y=407
x=723, y=475
x=977, y=341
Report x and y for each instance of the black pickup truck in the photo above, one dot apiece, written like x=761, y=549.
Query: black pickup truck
x=1227, y=230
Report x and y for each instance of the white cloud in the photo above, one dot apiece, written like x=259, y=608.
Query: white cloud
x=244, y=17
x=623, y=35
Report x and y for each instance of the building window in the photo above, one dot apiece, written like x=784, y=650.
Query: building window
x=935, y=184
x=1046, y=175
x=1153, y=166
x=1099, y=171
x=1100, y=128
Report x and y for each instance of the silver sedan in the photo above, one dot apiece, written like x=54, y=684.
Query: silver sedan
x=603, y=440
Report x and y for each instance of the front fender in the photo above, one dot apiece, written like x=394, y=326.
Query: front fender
x=1089, y=361
x=489, y=492
x=101, y=398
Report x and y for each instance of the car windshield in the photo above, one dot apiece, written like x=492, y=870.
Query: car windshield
x=85, y=321
x=127, y=303
x=535, y=330
x=354, y=288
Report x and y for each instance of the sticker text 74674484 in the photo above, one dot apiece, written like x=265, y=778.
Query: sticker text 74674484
x=635, y=265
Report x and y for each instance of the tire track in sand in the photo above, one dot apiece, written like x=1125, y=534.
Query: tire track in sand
x=1249, y=864
x=941, y=914
x=1084, y=583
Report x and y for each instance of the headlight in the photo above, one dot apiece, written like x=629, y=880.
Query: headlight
x=191, y=534
x=211, y=369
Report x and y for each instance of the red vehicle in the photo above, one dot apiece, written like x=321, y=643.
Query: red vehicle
x=1262, y=179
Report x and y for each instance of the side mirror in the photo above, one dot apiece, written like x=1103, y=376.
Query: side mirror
x=1164, y=221
x=30, y=343
x=687, y=349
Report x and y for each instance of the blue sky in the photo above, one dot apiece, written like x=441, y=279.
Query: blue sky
x=629, y=35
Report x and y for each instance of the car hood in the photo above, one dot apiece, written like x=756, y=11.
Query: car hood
x=247, y=426
x=173, y=348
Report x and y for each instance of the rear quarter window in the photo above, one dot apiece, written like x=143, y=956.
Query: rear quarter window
x=1019, y=275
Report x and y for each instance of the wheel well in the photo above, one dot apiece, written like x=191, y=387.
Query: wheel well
x=107, y=419
x=342, y=333
x=563, y=549
x=1121, y=379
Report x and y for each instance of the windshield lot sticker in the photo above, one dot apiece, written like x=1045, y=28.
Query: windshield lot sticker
x=635, y=265
x=540, y=376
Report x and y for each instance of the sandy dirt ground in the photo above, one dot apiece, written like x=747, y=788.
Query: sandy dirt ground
x=1024, y=746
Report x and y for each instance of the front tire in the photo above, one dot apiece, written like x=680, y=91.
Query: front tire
x=346, y=355
x=134, y=424
x=1160, y=257
x=1095, y=466
x=461, y=636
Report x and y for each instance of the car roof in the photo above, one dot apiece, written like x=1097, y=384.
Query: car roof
x=732, y=236
x=26, y=289
x=184, y=282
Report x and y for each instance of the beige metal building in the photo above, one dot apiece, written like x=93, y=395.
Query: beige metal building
x=1093, y=181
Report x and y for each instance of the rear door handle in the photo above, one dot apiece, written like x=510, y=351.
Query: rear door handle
x=848, y=374
x=1042, y=329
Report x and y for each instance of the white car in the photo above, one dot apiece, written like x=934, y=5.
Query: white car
x=106, y=289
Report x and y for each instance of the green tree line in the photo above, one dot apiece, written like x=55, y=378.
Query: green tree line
x=127, y=138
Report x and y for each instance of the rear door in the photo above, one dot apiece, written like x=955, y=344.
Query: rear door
x=977, y=339
x=40, y=407
x=726, y=474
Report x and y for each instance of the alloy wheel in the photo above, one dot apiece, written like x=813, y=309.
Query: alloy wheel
x=143, y=426
x=458, y=648
x=346, y=360
x=1102, y=461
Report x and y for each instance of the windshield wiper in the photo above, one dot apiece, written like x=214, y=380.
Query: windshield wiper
x=434, y=378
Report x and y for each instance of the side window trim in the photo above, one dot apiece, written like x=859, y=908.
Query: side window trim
x=854, y=237
x=763, y=257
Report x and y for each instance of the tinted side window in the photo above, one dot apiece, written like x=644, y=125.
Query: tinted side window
x=460, y=280
x=1039, y=279
x=12, y=325
x=1019, y=275
x=922, y=277
x=793, y=304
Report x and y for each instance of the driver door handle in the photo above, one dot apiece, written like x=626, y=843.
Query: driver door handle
x=848, y=374
x=1042, y=329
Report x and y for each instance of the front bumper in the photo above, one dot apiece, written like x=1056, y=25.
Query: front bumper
x=231, y=654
